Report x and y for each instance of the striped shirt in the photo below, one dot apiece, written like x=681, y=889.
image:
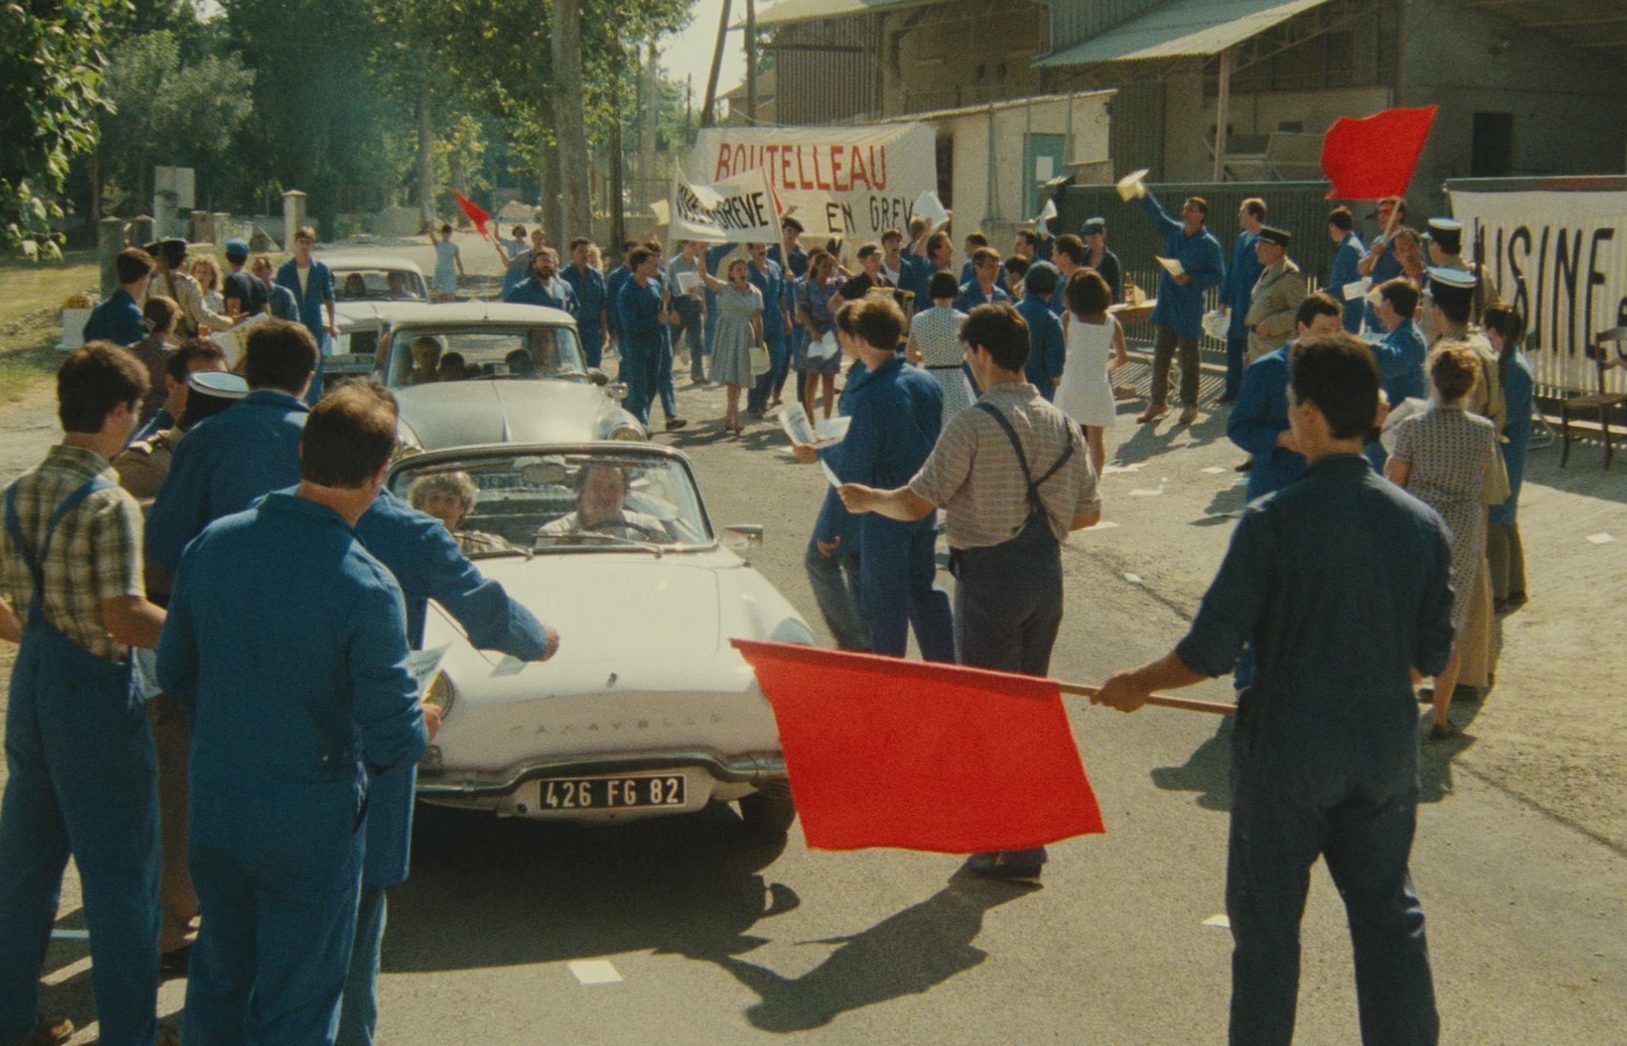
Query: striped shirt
x=974, y=476
x=95, y=555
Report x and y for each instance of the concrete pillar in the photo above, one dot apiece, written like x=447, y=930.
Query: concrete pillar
x=142, y=230
x=293, y=216
x=166, y=215
x=109, y=242
x=221, y=218
x=202, y=227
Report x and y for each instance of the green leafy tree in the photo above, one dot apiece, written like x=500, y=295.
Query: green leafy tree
x=50, y=99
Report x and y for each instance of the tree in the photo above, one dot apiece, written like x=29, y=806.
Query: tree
x=50, y=99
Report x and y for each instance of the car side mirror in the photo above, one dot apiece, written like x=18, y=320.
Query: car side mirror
x=742, y=536
x=598, y=377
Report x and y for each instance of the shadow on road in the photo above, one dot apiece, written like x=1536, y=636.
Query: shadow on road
x=485, y=892
x=908, y=953
x=1207, y=771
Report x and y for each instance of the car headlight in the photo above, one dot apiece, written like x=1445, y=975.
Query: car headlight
x=441, y=694
x=406, y=443
x=625, y=431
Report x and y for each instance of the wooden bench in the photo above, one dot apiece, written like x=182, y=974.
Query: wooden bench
x=1608, y=351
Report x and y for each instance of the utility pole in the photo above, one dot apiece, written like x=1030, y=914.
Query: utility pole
x=708, y=113
x=751, y=61
x=618, y=222
x=575, y=206
x=649, y=177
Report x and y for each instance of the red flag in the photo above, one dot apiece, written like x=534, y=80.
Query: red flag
x=1374, y=157
x=476, y=215
x=887, y=752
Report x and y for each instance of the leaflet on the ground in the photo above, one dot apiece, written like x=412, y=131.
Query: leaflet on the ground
x=424, y=664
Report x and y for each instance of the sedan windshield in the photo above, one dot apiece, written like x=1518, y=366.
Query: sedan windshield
x=500, y=504
x=379, y=285
x=485, y=351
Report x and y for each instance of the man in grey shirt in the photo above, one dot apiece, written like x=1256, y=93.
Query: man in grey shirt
x=1005, y=524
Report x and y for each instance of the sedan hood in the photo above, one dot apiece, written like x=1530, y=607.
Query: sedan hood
x=469, y=412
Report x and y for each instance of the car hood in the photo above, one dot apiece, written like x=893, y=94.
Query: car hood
x=462, y=413
x=616, y=608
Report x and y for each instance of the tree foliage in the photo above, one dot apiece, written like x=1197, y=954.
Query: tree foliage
x=50, y=101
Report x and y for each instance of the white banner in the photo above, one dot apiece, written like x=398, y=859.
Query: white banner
x=1561, y=259
x=735, y=210
x=857, y=182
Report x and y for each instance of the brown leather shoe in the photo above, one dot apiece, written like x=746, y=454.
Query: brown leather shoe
x=1152, y=413
x=1188, y=415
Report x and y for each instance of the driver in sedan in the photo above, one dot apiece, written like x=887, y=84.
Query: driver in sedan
x=601, y=495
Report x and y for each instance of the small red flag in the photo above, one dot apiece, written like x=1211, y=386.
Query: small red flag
x=476, y=215
x=1374, y=157
x=887, y=752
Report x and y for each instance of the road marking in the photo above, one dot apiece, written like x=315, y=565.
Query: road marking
x=595, y=971
x=1220, y=921
x=1601, y=538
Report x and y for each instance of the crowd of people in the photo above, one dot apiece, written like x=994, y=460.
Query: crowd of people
x=1384, y=430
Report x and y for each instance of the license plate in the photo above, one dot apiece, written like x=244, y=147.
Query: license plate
x=629, y=792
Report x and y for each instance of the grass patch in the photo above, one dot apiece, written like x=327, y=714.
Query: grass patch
x=30, y=295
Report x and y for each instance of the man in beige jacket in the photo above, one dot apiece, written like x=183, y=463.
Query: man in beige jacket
x=1276, y=295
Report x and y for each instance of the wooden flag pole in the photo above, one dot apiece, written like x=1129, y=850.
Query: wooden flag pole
x=1186, y=704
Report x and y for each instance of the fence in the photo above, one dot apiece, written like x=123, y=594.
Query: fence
x=1300, y=207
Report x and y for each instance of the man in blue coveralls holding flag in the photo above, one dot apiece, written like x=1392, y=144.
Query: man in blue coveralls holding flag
x=79, y=752
x=295, y=700
x=1178, y=315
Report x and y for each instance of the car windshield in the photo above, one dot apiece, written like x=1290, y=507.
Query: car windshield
x=378, y=285
x=419, y=357
x=585, y=501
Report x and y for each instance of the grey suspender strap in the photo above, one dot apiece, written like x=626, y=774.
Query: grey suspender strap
x=1035, y=506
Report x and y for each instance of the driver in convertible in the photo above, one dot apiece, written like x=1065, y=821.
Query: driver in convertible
x=601, y=493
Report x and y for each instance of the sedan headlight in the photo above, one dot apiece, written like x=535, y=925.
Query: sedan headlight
x=406, y=443
x=625, y=431
x=441, y=693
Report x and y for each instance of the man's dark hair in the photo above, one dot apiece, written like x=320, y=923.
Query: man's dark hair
x=348, y=436
x=1070, y=245
x=178, y=364
x=1017, y=265
x=1317, y=303
x=1041, y=279
x=627, y=245
x=983, y=256
x=580, y=241
x=279, y=355
x=1402, y=296
x=879, y=321
x=976, y=239
x=95, y=378
x=1200, y=203
x=639, y=256
x=1255, y=206
x=159, y=312
x=1341, y=218
x=652, y=245
x=892, y=234
x=1087, y=293
x=132, y=264
x=1028, y=236
x=1338, y=373
x=935, y=242
x=943, y=284
x=1001, y=330
x=1456, y=307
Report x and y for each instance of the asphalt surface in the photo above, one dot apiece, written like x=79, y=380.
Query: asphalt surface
x=705, y=935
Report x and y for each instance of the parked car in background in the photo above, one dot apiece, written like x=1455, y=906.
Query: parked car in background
x=378, y=278
x=489, y=372
x=646, y=710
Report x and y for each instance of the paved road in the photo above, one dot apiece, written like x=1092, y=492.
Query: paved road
x=719, y=939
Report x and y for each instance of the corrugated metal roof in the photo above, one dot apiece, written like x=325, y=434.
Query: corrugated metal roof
x=1181, y=29
x=785, y=12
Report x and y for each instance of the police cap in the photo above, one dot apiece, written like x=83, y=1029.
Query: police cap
x=1272, y=234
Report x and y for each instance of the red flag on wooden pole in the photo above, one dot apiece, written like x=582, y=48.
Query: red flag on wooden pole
x=1374, y=157
x=476, y=215
x=887, y=752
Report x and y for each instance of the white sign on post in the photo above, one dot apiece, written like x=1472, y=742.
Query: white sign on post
x=862, y=180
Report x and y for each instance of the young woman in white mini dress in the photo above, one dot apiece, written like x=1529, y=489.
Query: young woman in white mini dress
x=1095, y=349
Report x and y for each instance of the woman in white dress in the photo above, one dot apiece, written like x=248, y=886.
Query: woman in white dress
x=935, y=343
x=1095, y=349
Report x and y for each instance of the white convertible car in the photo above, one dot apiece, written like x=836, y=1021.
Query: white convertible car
x=646, y=710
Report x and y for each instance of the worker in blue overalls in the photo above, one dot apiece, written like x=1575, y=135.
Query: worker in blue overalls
x=82, y=773
x=642, y=319
x=592, y=312
x=897, y=412
x=767, y=276
x=1345, y=270
x=426, y=561
x=229, y=460
x=1178, y=316
x=295, y=700
x=1047, y=352
x=1236, y=291
x=544, y=286
x=312, y=285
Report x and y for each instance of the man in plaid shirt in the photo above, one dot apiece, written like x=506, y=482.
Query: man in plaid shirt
x=79, y=752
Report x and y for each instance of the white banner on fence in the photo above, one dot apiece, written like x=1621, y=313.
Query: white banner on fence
x=861, y=180
x=735, y=210
x=1561, y=259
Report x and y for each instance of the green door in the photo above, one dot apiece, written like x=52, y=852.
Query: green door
x=1042, y=161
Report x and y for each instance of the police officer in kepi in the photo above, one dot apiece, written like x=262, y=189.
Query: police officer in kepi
x=1339, y=582
x=295, y=701
x=79, y=752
